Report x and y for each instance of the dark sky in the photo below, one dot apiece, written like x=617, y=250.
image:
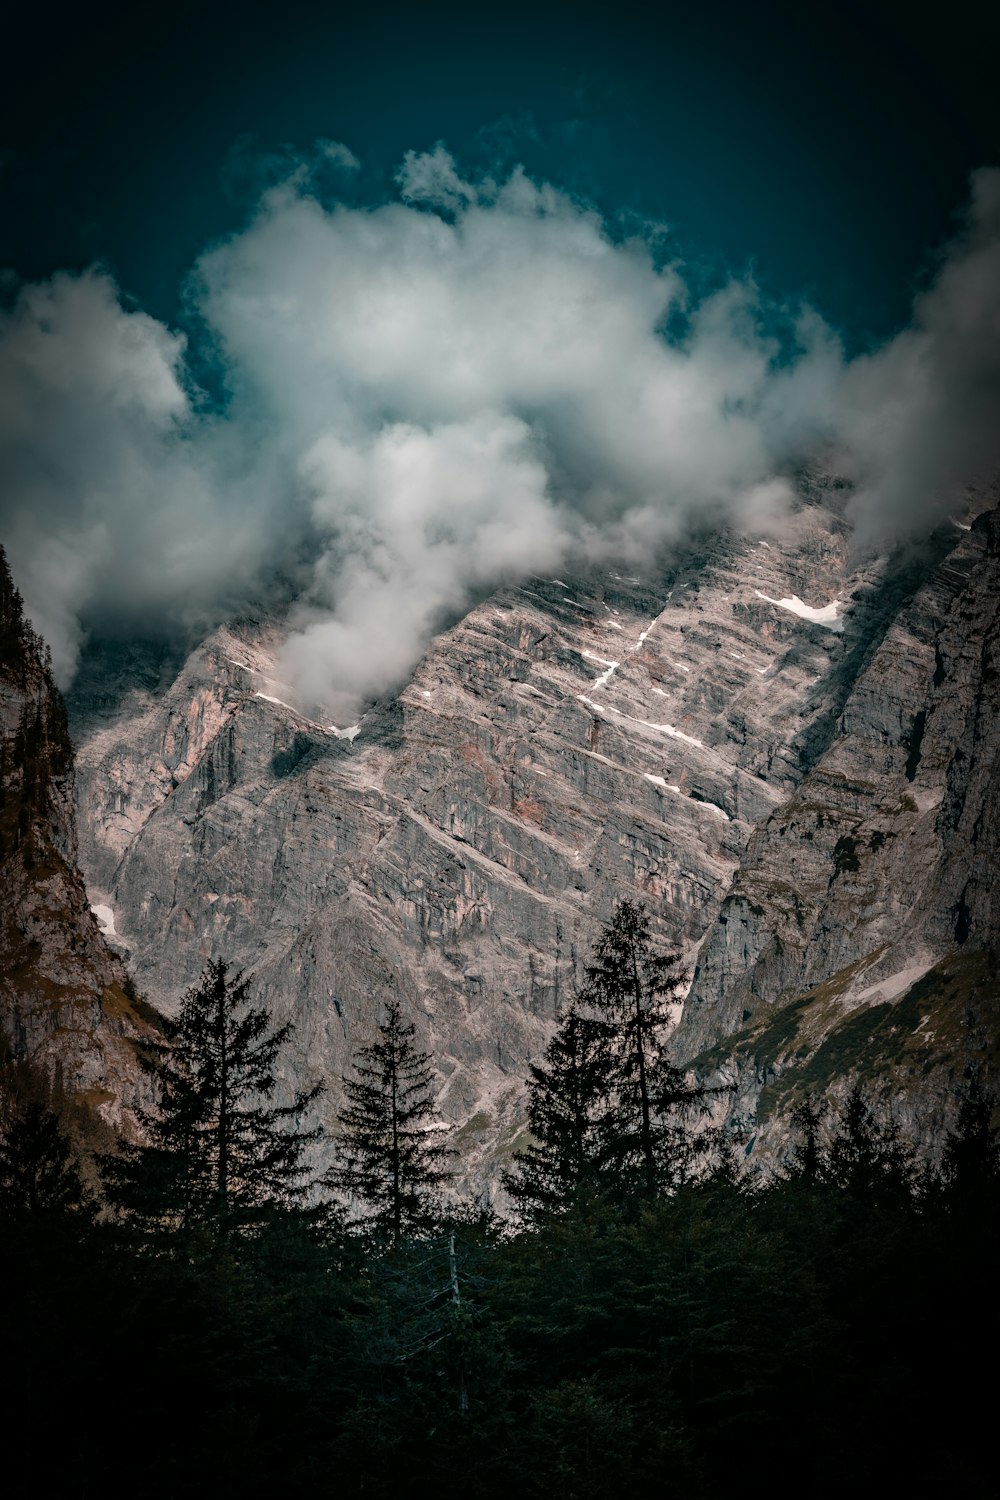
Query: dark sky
x=826, y=147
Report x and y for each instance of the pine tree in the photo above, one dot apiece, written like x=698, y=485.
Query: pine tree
x=39, y=1175
x=867, y=1154
x=970, y=1163
x=807, y=1157
x=219, y=1152
x=568, y=1104
x=631, y=988
x=390, y=1166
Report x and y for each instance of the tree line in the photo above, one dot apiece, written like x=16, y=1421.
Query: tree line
x=606, y=1112
x=210, y=1313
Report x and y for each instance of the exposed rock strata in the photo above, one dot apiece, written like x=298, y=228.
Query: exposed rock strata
x=66, y=1005
x=861, y=930
x=567, y=743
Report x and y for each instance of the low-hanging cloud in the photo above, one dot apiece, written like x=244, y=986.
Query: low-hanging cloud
x=439, y=393
x=922, y=414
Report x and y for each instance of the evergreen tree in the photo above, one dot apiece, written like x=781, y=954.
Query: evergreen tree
x=631, y=989
x=867, y=1154
x=806, y=1161
x=390, y=1166
x=970, y=1164
x=568, y=1103
x=38, y=1171
x=219, y=1152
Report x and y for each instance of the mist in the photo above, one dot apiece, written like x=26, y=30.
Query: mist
x=432, y=395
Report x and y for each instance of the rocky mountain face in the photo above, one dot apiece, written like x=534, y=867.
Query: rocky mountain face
x=786, y=748
x=67, y=1007
x=859, y=937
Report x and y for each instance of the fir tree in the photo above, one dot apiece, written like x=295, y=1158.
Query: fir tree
x=970, y=1164
x=38, y=1171
x=867, y=1155
x=219, y=1152
x=568, y=1105
x=390, y=1166
x=631, y=988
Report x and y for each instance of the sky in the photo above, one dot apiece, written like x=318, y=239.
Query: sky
x=398, y=304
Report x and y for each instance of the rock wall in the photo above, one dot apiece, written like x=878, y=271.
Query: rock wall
x=860, y=935
x=729, y=734
x=66, y=1004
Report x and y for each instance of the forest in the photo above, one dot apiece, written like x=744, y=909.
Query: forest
x=202, y=1312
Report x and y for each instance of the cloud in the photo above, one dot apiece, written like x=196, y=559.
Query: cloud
x=420, y=521
x=430, y=177
x=436, y=394
x=921, y=416
x=120, y=500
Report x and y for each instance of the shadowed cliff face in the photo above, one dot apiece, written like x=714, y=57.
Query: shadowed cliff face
x=860, y=933
x=65, y=1002
x=568, y=743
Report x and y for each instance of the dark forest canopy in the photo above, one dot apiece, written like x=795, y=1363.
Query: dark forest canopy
x=691, y=1328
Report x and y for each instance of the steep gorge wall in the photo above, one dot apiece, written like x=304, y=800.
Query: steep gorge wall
x=66, y=1005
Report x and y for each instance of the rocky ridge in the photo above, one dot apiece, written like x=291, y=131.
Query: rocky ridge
x=566, y=743
x=67, y=1006
x=860, y=934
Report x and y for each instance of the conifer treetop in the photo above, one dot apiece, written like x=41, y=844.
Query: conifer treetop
x=218, y=1149
x=390, y=1167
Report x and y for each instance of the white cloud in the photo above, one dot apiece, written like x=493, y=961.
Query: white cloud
x=430, y=177
x=338, y=155
x=118, y=498
x=442, y=392
x=922, y=414
x=419, y=522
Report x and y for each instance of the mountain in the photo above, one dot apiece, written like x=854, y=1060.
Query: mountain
x=785, y=746
x=860, y=937
x=68, y=1010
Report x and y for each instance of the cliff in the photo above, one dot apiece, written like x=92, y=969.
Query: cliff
x=67, y=1006
x=786, y=748
x=859, y=937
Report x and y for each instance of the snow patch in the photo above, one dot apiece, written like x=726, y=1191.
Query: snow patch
x=675, y=734
x=340, y=734
x=105, y=920
x=668, y=729
x=897, y=984
x=827, y=616
x=280, y=702
x=668, y=786
x=612, y=667
x=713, y=807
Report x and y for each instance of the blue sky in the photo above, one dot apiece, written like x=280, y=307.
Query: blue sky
x=825, y=148
x=396, y=305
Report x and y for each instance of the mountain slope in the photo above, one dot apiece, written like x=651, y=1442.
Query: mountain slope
x=67, y=1007
x=566, y=743
x=861, y=931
